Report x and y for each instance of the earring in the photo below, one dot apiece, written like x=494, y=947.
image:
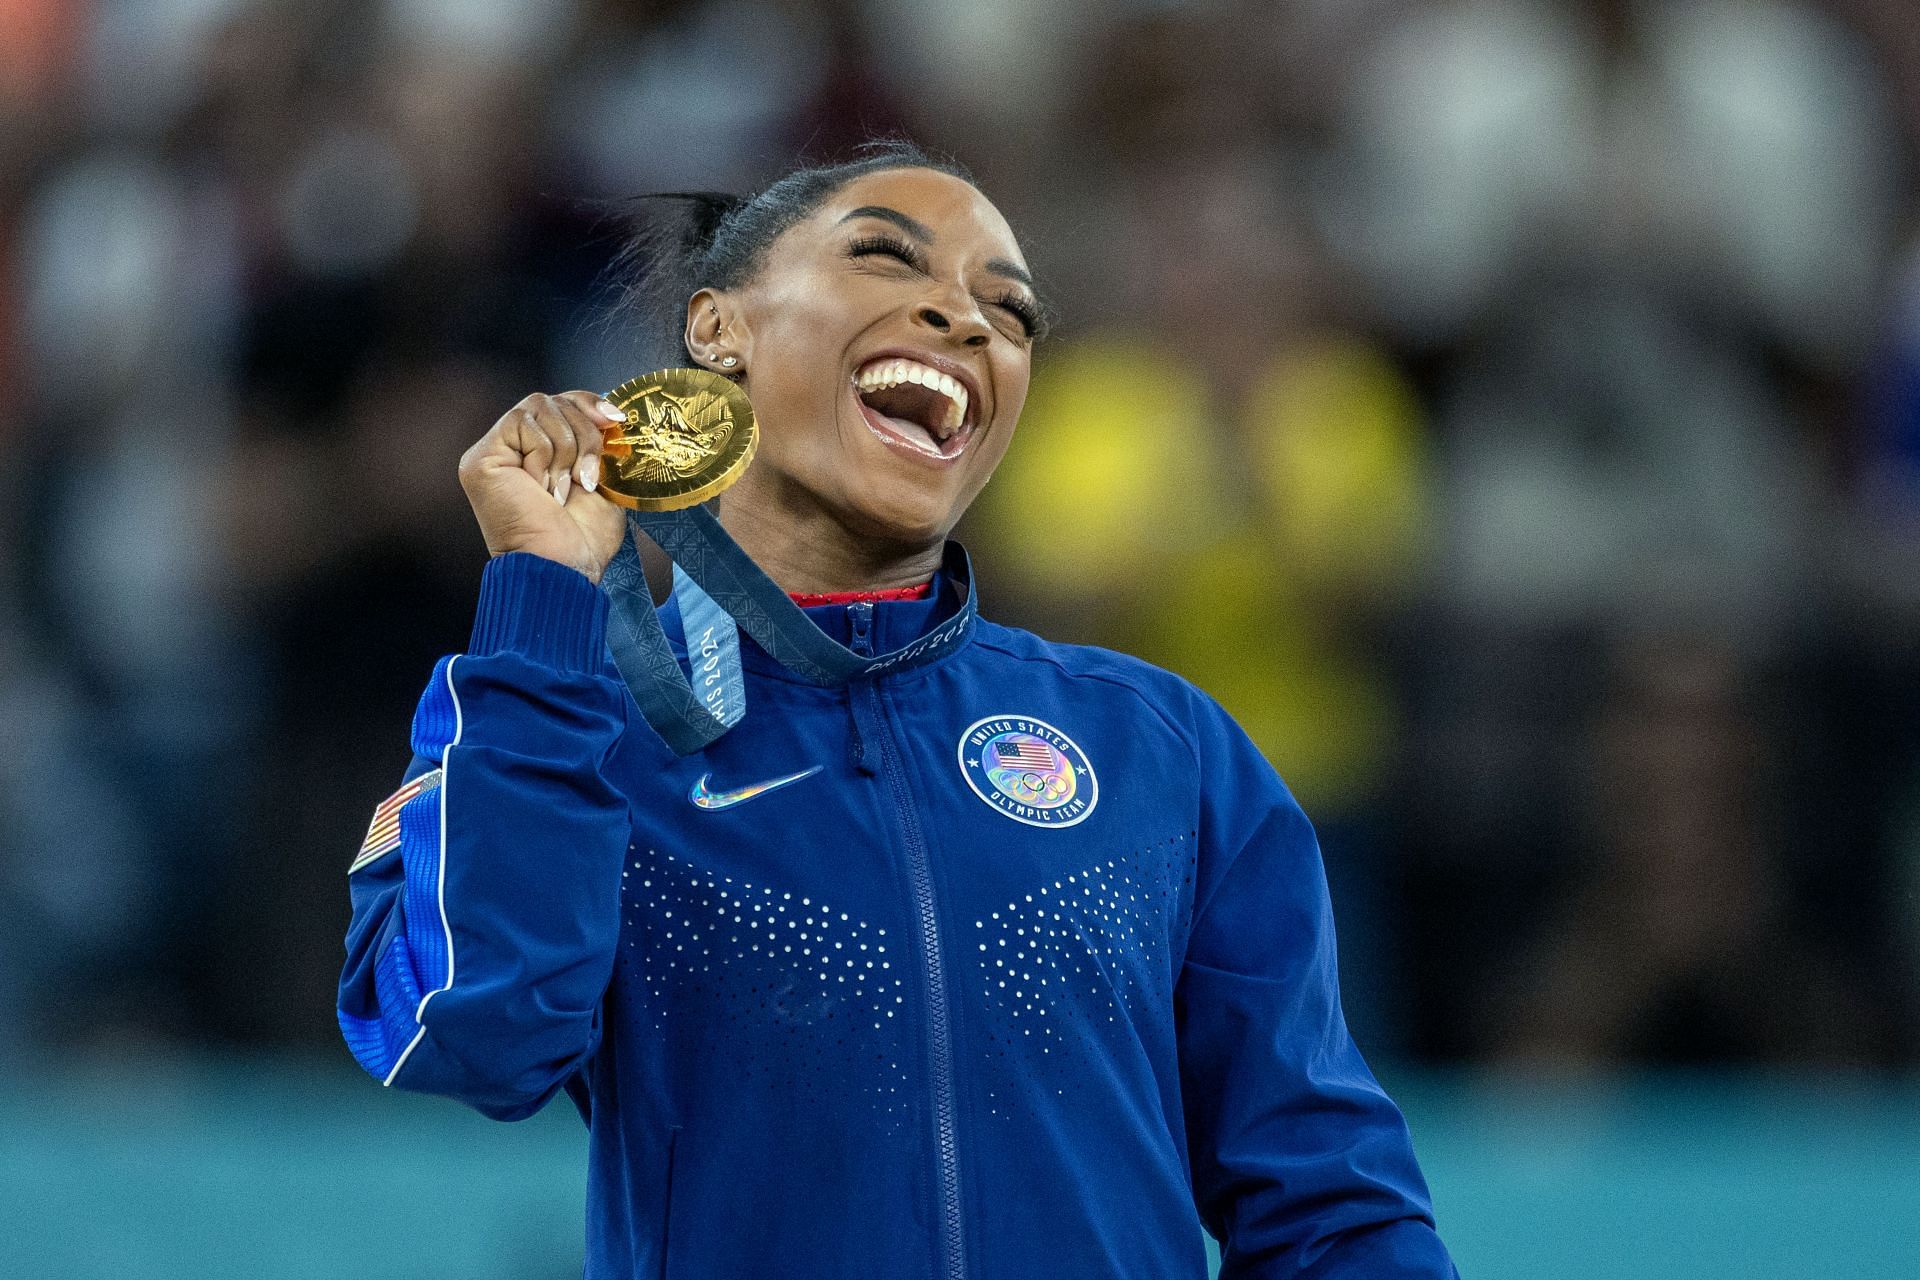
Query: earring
x=730, y=361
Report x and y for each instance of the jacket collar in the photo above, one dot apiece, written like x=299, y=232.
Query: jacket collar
x=882, y=638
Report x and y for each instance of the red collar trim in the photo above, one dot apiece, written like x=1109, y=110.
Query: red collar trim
x=809, y=599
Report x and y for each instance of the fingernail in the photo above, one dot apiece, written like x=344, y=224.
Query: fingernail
x=561, y=486
x=610, y=413
x=590, y=472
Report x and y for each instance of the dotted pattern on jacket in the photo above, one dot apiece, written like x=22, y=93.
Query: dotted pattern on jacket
x=773, y=960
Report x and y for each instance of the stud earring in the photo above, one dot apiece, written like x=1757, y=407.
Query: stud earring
x=730, y=361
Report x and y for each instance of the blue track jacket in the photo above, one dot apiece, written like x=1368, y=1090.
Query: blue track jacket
x=1016, y=963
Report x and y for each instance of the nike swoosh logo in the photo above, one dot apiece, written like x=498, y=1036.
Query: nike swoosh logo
x=704, y=799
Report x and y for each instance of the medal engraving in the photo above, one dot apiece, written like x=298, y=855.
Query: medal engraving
x=689, y=434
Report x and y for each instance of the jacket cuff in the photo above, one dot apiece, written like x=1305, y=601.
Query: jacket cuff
x=542, y=610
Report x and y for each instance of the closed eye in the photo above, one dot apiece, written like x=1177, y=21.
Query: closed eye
x=1018, y=305
x=1023, y=310
x=867, y=246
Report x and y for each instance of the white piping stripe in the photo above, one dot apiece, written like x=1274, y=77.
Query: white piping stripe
x=446, y=772
x=404, y=1055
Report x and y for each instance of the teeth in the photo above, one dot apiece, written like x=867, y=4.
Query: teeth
x=891, y=373
x=956, y=403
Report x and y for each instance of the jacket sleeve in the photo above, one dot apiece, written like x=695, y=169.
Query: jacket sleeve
x=486, y=900
x=1302, y=1166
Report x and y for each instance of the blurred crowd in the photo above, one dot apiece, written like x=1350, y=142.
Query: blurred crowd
x=1509, y=408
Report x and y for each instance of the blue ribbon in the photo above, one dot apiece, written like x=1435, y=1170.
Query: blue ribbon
x=713, y=651
x=729, y=582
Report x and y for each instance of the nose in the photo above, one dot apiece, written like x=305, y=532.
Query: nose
x=962, y=325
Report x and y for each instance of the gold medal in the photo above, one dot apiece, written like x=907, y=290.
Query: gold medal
x=689, y=434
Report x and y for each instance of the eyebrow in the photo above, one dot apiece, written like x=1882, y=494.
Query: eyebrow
x=1011, y=270
x=921, y=231
x=912, y=226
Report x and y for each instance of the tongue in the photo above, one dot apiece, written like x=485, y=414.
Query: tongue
x=905, y=406
x=911, y=430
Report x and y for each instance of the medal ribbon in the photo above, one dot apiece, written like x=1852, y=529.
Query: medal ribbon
x=723, y=580
x=713, y=651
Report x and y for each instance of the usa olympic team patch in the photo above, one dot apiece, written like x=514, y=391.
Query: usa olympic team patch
x=1028, y=770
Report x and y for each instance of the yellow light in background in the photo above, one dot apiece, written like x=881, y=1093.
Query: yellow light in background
x=1110, y=470
x=1317, y=709
x=1231, y=547
x=1345, y=463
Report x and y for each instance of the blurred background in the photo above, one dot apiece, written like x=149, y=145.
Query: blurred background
x=1509, y=408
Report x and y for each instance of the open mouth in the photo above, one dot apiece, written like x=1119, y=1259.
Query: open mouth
x=909, y=405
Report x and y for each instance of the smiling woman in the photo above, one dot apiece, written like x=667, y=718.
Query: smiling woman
x=904, y=317
x=975, y=956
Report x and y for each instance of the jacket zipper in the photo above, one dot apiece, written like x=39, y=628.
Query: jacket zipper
x=953, y=1241
x=666, y=1220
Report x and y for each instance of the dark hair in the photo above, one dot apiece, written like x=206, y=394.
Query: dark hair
x=688, y=240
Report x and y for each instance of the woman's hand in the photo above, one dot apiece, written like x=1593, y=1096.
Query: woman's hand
x=532, y=482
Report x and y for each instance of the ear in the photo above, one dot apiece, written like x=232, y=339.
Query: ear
x=717, y=332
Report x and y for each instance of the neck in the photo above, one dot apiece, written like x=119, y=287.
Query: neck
x=806, y=550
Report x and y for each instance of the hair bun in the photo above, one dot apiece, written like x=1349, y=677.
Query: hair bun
x=706, y=211
x=683, y=241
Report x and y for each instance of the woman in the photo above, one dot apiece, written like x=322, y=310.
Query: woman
x=1013, y=959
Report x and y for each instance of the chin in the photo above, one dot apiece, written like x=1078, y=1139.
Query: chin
x=902, y=516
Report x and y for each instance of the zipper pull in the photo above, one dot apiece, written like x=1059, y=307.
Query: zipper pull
x=860, y=622
x=865, y=759
x=860, y=626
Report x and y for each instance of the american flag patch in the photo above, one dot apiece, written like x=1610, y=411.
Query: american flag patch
x=383, y=833
x=1024, y=753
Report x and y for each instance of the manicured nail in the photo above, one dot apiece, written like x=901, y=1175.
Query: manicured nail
x=590, y=472
x=561, y=485
x=610, y=413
